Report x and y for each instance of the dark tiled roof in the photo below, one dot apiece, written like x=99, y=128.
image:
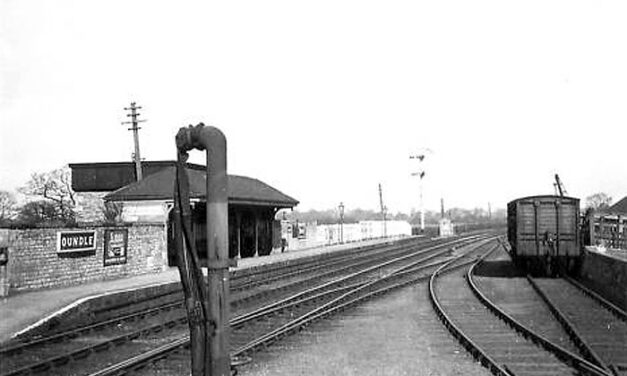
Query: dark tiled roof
x=242, y=189
x=620, y=207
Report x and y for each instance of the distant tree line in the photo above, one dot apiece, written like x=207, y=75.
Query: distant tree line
x=597, y=201
x=50, y=201
x=330, y=216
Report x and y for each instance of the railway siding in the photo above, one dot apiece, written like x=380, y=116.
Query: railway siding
x=599, y=328
x=493, y=335
x=497, y=278
x=464, y=310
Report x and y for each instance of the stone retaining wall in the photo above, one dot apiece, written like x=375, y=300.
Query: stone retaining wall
x=606, y=275
x=34, y=260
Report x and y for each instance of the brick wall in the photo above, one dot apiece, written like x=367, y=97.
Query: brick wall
x=34, y=262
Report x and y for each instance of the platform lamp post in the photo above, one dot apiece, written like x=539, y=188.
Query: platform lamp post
x=341, y=209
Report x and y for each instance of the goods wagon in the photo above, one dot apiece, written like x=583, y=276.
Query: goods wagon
x=543, y=232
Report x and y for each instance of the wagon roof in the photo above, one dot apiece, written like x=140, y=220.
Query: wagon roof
x=544, y=196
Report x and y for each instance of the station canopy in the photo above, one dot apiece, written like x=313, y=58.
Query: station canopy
x=159, y=184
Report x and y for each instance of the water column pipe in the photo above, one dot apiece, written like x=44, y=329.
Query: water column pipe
x=212, y=140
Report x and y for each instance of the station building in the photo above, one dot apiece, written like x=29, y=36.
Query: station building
x=609, y=228
x=252, y=203
x=140, y=240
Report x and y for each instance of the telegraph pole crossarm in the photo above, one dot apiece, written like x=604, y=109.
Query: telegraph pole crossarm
x=134, y=121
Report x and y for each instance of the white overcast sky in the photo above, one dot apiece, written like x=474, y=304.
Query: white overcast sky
x=325, y=99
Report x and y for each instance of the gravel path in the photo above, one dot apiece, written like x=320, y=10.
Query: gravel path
x=397, y=334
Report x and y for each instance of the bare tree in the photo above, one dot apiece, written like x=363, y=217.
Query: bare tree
x=112, y=212
x=598, y=201
x=7, y=207
x=55, y=186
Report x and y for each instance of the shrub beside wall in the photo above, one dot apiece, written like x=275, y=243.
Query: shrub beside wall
x=34, y=262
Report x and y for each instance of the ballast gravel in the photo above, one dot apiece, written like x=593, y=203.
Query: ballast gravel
x=396, y=334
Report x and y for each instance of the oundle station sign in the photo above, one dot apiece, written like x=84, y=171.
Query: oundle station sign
x=76, y=241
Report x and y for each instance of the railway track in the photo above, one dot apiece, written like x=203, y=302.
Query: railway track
x=281, y=319
x=284, y=321
x=55, y=354
x=242, y=281
x=581, y=321
x=599, y=333
x=499, y=341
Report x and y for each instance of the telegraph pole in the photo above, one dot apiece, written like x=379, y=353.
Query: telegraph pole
x=136, y=156
x=383, y=212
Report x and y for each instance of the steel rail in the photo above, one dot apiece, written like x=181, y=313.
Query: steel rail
x=86, y=350
x=566, y=356
x=268, y=337
x=474, y=349
x=285, y=269
x=13, y=348
x=346, y=278
x=583, y=347
x=303, y=297
x=364, y=271
x=154, y=355
x=617, y=311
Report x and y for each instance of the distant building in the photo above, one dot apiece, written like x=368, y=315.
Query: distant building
x=299, y=235
x=609, y=226
x=445, y=228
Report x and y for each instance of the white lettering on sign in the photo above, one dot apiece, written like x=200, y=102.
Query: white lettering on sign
x=74, y=241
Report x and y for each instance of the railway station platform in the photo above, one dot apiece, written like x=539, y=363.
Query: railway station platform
x=605, y=272
x=24, y=312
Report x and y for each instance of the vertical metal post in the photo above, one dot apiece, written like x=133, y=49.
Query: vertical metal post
x=256, y=215
x=620, y=239
x=189, y=268
x=383, y=212
x=536, y=204
x=217, y=357
x=421, y=175
x=238, y=220
x=591, y=224
x=219, y=362
x=558, y=207
x=422, y=207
